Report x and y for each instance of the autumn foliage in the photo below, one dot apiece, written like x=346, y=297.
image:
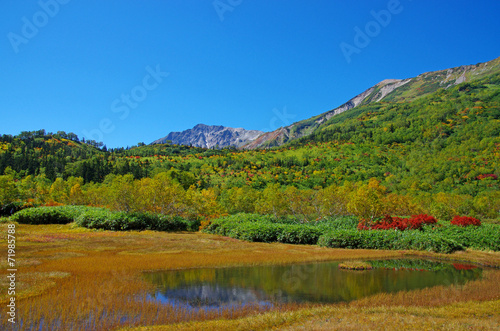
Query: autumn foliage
x=397, y=223
x=465, y=221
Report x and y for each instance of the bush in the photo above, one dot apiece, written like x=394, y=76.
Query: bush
x=484, y=237
x=342, y=233
x=101, y=218
x=264, y=228
x=108, y=220
x=49, y=215
x=397, y=223
x=408, y=240
x=121, y=221
x=465, y=221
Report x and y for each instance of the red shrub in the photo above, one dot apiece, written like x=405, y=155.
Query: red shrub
x=393, y=222
x=362, y=225
x=424, y=218
x=465, y=221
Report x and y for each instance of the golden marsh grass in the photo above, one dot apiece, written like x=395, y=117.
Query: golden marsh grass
x=71, y=279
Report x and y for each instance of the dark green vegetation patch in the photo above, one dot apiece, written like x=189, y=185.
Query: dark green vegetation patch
x=343, y=233
x=104, y=219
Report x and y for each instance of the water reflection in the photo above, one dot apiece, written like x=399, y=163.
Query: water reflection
x=217, y=288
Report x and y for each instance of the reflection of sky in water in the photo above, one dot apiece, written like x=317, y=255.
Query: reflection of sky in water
x=211, y=297
x=220, y=288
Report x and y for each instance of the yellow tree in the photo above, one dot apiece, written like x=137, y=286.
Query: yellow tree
x=161, y=194
x=8, y=189
x=27, y=188
x=272, y=201
x=75, y=195
x=367, y=201
x=333, y=200
x=239, y=199
x=203, y=204
x=42, y=188
x=122, y=192
x=96, y=195
x=59, y=191
x=401, y=205
x=299, y=203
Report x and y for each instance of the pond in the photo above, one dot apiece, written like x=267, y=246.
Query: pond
x=219, y=288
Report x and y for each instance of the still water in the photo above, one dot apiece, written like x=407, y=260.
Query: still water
x=218, y=288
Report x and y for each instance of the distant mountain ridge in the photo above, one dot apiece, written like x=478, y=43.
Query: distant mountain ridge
x=395, y=90
x=209, y=136
x=388, y=90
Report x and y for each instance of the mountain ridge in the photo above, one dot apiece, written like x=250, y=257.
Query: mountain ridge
x=398, y=90
x=210, y=136
x=387, y=90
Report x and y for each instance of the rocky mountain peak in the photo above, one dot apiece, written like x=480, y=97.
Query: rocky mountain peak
x=209, y=136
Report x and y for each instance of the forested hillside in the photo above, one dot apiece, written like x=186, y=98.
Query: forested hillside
x=438, y=154
x=389, y=90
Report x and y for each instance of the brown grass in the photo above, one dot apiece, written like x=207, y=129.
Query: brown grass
x=464, y=316
x=78, y=279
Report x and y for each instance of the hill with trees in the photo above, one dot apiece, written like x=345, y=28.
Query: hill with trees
x=438, y=153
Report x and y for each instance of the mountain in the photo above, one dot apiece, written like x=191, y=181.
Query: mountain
x=389, y=90
x=209, y=136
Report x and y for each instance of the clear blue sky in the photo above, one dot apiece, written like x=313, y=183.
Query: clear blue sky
x=85, y=65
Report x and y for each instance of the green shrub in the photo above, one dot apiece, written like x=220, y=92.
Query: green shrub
x=94, y=218
x=265, y=228
x=49, y=215
x=389, y=239
x=108, y=220
x=101, y=218
x=342, y=233
x=122, y=221
x=484, y=237
x=299, y=234
x=263, y=232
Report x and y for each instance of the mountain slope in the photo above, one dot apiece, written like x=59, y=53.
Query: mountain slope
x=209, y=136
x=394, y=90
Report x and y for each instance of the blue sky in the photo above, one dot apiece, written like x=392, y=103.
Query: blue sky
x=124, y=71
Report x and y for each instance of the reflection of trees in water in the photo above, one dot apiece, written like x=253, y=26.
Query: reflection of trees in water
x=320, y=282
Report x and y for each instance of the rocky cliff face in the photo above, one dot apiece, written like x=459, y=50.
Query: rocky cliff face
x=209, y=136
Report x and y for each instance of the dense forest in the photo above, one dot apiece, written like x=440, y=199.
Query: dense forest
x=438, y=154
